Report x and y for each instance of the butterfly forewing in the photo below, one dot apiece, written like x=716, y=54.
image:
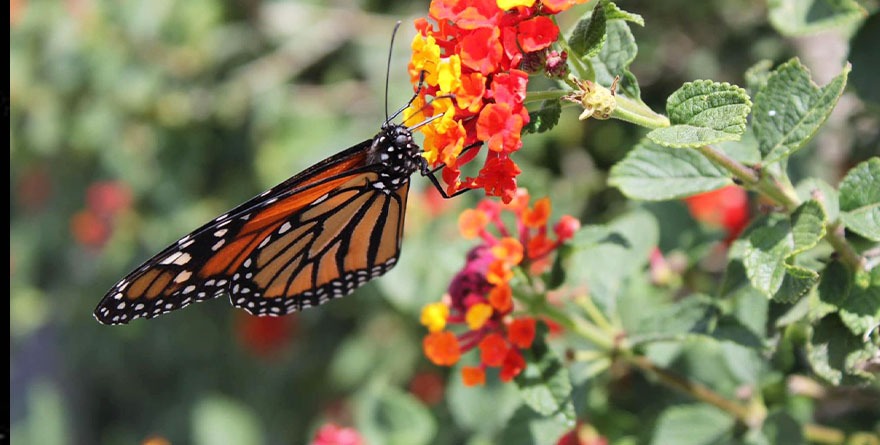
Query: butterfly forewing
x=318, y=235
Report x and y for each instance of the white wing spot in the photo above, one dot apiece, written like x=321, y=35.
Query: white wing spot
x=220, y=232
x=218, y=245
x=189, y=289
x=172, y=258
x=182, y=276
x=182, y=259
x=121, y=305
x=284, y=227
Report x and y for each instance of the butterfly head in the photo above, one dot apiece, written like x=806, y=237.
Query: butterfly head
x=398, y=154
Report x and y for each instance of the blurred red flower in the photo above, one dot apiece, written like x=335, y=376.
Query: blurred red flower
x=264, y=336
x=727, y=208
x=332, y=434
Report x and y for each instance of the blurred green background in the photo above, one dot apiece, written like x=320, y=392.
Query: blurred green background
x=133, y=122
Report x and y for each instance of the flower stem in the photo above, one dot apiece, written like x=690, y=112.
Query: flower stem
x=783, y=194
x=576, y=325
x=638, y=113
x=540, y=96
x=586, y=303
x=751, y=416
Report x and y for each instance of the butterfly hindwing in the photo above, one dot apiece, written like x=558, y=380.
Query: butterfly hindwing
x=312, y=258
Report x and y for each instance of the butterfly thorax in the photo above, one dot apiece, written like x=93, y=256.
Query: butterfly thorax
x=396, y=153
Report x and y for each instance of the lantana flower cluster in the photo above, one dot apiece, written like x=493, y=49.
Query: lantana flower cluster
x=474, y=62
x=480, y=304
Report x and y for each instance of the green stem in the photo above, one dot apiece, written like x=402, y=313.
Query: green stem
x=540, y=96
x=751, y=416
x=848, y=255
x=576, y=325
x=746, y=175
x=586, y=303
x=582, y=70
x=638, y=113
x=784, y=195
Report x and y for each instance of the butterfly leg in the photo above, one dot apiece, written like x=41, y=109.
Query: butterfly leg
x=430, y=173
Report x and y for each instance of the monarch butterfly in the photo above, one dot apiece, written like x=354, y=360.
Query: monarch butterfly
x=316, y=236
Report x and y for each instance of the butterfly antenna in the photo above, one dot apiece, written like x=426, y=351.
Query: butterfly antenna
x=421, y=124
x=388, y=69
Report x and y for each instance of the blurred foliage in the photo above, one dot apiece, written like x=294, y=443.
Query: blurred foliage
x=134, y=122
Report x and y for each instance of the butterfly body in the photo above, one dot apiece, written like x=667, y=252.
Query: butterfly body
x=315, y=237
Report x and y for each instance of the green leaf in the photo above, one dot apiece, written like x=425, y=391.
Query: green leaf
x=733, y=330
x=484, y=410
x=544, y=384
x=588, y=35
x=838, y=356
x=836, y=283
x=781, y=427
x=615, y=57
x=704, y=113
x=379, y=348
x=695, y=314
x=790, y=109
x=757, y=75
x=770, y=245
x=822, y=192
x=863, y=56
x=692, y=425
x=544, y=118
x=861, y=312
x=622, y=250
x=796, y=282
x=745, y=150
x=613, y=12
x=527, y=427
x=800, y=17
x=47, y=420
x=387, y=415
x=860, y=199
x=654, y=173
x=766, y=247
x=807, y=226
x=220, y=420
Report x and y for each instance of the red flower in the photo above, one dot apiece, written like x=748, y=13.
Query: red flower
x=493, y=350
x=428, y=387
x=497, y=177
x=480, y=296
x=89, y=229
x=500, y=127
x=537, y=33
x=473, y=52
x=521, y=332
x=264, y=336
x=727, y=207
x=442, y=348
x=514, y=363
x=108, y=198
x=481, y=50
x=332, y=434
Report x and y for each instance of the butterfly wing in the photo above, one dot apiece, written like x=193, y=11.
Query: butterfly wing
x=293, y=246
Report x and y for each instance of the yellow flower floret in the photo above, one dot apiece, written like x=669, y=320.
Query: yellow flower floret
x=434, y=316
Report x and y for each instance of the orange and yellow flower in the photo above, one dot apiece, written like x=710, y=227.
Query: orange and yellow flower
x=481, y=296
x=472, y=57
